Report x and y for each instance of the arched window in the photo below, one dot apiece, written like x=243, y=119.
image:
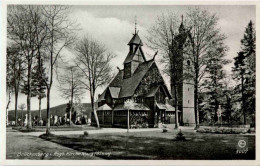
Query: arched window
x=188, y=62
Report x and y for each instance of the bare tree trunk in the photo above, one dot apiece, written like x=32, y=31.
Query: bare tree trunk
x=7, y=106
x=29, y=120
x=70, y=113
x=196, y=109
x=71, y=107
x=174, y=88
x=196, y=70
x=94, y=110
x=40, y=110
x=196, y=90
x=22, y=118
x=176, y=107
x=72, y=95
x=16, y=103
x=48, y=124
x=128, y=119
x=243, y=98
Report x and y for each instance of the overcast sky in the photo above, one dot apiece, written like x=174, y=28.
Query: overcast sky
x=114, y=27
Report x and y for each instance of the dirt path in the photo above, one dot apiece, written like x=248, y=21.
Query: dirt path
x=23, y=146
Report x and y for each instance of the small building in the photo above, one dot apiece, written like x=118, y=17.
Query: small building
x=141, y=81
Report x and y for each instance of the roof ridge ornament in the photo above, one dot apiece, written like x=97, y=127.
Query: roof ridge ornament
x=135, y=24
x=155, y=54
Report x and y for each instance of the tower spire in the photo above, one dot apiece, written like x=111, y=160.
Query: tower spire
x=135, y=24
x=181, y=28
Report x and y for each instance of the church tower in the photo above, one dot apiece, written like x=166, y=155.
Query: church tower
x=185, y=84
x=135, y=55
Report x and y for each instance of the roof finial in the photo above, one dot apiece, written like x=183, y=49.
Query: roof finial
x=135, y=24
x=182, y=18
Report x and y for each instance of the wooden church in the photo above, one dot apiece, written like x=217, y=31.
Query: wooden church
x=141, y=81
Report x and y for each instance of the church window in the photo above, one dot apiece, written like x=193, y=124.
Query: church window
x=188, y=101
x=188, y=62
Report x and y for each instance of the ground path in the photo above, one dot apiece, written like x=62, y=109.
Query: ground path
x=107, y=130
x=29, y=146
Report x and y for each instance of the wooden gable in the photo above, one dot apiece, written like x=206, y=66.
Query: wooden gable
x=152, y=78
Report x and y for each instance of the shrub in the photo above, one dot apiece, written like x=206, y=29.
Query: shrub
x=223, y=130
x=201, y=130
x=164, y=130
x=227, y=130
x=219, y=130
x=86, y=133
x=180, y=136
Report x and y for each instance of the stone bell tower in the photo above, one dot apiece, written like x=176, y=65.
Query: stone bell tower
x=185, y=86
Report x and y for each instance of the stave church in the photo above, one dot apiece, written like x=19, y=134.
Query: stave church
x=141, y=81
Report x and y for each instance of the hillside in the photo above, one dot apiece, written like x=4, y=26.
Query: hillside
x=59, y=110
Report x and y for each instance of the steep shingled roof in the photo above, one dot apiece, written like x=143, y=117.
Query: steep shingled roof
x=129, y=85
x=135, y=40
x=130, y=55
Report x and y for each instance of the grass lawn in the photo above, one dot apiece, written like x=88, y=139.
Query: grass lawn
x=158, y=145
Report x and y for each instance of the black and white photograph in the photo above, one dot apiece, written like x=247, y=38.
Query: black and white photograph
x=129, y=82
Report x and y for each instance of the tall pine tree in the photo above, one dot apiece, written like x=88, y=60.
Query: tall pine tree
x=244, y=73
x=37, y=82
x=39, y=79
x=214, y=80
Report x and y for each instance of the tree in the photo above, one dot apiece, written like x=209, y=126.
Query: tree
x=15, y=74
x=215, y=75
x=244, y=72
x=93, y=62
x=26, y=29
x=38, y=80
x=204, y=36
x=228, y=106
x=79, y=109
x=70, y=86
x=166, y=35
x=9, y=82
x=60, y=35
x=22, y=107
x=128, y=104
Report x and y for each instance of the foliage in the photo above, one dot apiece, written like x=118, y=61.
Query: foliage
x=15, y=74
x=170, y=39
x=39, y=78
x=26, y=28
x=214, y=84
x=180, y=136
x=164, y=130
x=86, y=133
x=203, y=37
x=244, y=73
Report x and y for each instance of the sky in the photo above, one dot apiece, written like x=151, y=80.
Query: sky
x=114, y=27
